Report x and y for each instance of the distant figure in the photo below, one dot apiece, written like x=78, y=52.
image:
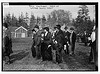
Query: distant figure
x=72, y=40
x=67, y=40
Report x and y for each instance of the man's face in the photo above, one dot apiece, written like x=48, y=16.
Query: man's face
x=45, y=30
x=71, y=31
x=34, y=32
x=36, y=29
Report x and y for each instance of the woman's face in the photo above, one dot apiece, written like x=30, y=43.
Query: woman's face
x=57, y=30
x=36, y=29
x=45, y=30
x=34, y=32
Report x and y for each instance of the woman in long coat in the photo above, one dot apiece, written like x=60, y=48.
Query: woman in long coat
x=46, y=51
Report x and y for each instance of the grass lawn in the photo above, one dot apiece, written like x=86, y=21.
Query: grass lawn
x=23, y=60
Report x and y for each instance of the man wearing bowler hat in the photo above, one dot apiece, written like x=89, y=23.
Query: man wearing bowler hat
x=72, y=40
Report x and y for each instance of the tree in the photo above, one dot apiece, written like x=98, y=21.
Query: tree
x=21, y=21
x=83, y=22
x=27, y=21
x=32, y=21
x=43, y=20
x=59, y=16
x=14, y=21
x=7, y=19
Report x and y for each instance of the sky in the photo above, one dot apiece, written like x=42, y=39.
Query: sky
x=44, y=10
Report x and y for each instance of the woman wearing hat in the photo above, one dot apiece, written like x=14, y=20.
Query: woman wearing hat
x=46, y=45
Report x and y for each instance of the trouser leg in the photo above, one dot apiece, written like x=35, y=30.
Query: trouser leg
x=38, y=56
x=58, y=56
x=33, y=51
x=67, y=47
x=91, y=55
x=73, y=47
x=54, y=55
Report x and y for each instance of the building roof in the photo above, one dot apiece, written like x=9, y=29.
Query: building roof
x=21, y=27
x=13, y=29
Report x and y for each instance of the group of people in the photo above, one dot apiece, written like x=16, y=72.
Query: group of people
x=50, y=46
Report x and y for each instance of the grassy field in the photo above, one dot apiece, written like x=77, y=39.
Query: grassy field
x=22, y=59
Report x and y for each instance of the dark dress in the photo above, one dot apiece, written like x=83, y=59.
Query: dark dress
x=45, y=50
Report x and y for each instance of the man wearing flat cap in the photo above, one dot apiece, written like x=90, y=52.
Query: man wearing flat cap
x=59, y=42
x=72, y=40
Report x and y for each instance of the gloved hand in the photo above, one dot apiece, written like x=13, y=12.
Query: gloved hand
x=49, y=46
x=56, y=42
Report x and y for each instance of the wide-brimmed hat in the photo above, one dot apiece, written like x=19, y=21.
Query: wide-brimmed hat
x=71, y=28
x=58, y=26
x=36, y=26
x=66, y=27
x=46, y=28
x=33, y=30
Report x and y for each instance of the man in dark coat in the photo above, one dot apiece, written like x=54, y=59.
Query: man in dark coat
x=37, y=42
x=72, y=40
x=67, y=40
x=33, y=44
x=59, y=42
x=7, y=44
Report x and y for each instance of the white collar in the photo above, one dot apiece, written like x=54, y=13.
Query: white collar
x=46, y=33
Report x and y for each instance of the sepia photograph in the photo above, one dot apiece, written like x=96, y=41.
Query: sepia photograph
x=49, y=36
